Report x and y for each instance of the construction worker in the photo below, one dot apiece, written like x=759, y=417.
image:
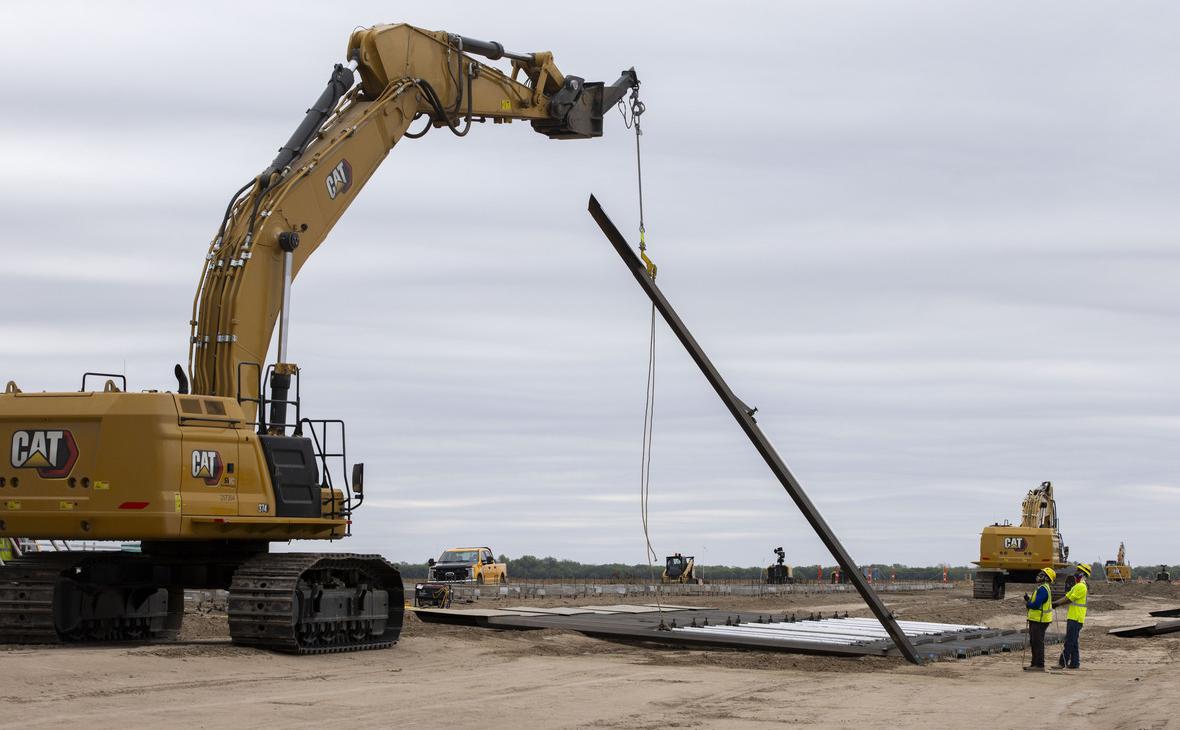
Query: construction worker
x=1076, y=598
x=1040, y=615
x=5, y=550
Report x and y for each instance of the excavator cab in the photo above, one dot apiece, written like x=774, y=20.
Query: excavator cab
x=675, y=566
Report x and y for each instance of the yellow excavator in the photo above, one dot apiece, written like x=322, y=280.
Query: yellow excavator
x=1117, y=571
x=1016, y=553
x=680, y=569
x=208, y=476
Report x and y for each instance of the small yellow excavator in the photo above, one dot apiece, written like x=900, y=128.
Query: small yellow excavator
x=208, y=476
x=680, y=569
x=1016, y=553
x=1117, y=571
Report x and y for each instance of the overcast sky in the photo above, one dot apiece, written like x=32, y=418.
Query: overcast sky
x=934, y=243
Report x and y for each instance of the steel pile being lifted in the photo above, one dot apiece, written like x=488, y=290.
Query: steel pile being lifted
x=744, y=415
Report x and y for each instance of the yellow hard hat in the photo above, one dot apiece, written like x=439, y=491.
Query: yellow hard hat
x=1085, y=568
x=1051, y=573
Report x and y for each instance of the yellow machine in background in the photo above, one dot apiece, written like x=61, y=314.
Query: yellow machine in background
x=207, y=477
x=680, y=569
x=1117, y=571
x=1017, y=553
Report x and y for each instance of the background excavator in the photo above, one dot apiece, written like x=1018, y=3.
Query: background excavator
x=1017, y=553
x=1117, y=571
x=680, y=569
x=207, y=477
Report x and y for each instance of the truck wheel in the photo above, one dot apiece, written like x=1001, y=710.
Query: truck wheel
x=503, y=580
x=479, y=579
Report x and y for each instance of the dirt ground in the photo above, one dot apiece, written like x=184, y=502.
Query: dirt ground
x=476, y=678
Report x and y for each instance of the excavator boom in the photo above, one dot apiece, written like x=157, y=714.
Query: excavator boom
x=405, y=74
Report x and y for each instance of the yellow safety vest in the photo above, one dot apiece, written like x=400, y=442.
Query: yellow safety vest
x=1077, y=602
x=1044, y=614
x=5, y=549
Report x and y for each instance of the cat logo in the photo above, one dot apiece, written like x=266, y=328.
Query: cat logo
x=51, y=453
x=1014, y=543
x=207, y=465
x=339, y=180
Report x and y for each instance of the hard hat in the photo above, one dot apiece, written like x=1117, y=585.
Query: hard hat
x=1085, y=568
x=1051, y=573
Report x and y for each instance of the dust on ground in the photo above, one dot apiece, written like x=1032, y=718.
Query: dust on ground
x=471, y=677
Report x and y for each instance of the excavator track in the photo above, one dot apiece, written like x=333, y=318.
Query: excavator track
x=316, y=603
x=988, y=585
x=26, y=597
x=74, y=597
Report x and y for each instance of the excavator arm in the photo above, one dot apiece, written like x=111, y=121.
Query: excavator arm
x=1040, y=511
x=278, y=219
x=1039, y=508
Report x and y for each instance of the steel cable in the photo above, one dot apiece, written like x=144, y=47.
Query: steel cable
x=649, y=403
x=649, y=407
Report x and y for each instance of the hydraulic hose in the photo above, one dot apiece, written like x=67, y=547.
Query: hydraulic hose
x=338, y=85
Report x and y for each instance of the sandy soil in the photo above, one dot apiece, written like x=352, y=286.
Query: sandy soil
x=464, y=677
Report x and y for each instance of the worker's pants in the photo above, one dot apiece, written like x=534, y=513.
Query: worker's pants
x=1070, y=656
x=1036, y=639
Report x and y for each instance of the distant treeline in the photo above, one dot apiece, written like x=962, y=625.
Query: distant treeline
x=531, y=567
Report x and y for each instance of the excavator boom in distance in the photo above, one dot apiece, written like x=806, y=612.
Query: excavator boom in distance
x=1117, y=571
x=208, y=476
